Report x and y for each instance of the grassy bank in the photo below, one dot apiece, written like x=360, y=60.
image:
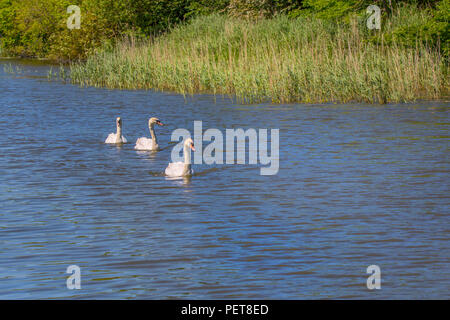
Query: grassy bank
x=305, y=59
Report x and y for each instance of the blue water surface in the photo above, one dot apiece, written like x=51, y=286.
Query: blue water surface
x=358, y=185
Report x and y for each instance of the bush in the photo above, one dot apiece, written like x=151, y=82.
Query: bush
x=37, y=28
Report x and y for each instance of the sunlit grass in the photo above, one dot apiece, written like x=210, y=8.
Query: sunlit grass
x=282, y=60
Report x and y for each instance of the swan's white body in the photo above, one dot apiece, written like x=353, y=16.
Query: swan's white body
x=145, y=144
x=112, y=138
x=180, y=169
x=117, y=138
x=149, y=144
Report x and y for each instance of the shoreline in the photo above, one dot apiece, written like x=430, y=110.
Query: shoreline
x=218, y=95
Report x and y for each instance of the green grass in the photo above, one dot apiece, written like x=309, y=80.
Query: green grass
x=282, y=60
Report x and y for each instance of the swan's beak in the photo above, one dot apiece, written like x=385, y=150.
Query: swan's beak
x=160, y=123
x=192, y=147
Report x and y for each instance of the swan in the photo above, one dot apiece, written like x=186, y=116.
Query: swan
x=144, y=143
x=179, y=169
x=117, y=137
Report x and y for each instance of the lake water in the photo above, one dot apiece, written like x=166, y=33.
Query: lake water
x=358, y=185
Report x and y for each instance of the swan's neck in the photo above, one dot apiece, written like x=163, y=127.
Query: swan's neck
x=152, y=133
x=187, y=156
x=119, y=134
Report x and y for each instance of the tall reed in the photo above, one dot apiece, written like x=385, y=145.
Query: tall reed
x=280, y=59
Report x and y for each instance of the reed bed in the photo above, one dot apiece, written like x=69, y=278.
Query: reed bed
x=281, y=60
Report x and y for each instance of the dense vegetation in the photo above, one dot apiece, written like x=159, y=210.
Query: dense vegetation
x=280, y=59
x=283, y=50
x=37, y=28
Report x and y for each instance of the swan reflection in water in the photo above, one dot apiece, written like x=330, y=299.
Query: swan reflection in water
x=181, y=181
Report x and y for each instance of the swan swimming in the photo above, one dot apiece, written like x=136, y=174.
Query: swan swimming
x=148, y=144
x=117, y=138
x=180, y=169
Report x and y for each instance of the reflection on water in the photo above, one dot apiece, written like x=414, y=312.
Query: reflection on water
x=186, y=180
x=358, y=185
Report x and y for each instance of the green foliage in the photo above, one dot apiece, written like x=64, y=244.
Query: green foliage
x=409, y=26
x=403, y=22
x=38, y=28
x=441, y=25
x=27, y=27
x=331, y=9
x=8, y=35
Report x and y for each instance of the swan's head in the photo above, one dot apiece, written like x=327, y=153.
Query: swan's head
x=189, y=144
x=119, y=122
x=153, y=121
